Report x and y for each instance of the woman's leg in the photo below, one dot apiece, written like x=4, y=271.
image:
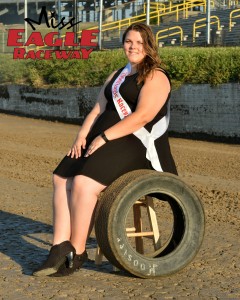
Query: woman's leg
x=61, y=210
x=62, y=250
x=85, y=192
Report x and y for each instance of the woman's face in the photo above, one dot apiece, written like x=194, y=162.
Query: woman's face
x=133, y=47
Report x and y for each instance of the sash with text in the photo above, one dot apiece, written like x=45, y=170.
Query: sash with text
x=147, y=138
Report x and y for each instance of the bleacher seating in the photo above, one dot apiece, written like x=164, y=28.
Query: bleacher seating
x=222, y=37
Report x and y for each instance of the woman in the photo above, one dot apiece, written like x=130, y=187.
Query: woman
x=126, y=130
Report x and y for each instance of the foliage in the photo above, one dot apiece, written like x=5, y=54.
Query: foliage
x=12, y=71
x=203, y=65
x=185, y=65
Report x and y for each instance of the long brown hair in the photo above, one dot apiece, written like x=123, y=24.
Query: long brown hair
x=151, y=61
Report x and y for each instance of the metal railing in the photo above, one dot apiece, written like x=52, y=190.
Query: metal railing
x=156, y=14
x=159, y=12
x=177, y=31
x=231, y=17
x=232, y=3
x=213, y=20
x=154, y=6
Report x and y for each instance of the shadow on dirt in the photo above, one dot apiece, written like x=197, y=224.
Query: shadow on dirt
x=27, y=242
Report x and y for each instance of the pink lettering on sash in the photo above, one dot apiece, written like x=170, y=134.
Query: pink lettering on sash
x=122, y=106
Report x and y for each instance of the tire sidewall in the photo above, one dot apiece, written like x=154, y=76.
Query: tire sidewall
x=192, y=210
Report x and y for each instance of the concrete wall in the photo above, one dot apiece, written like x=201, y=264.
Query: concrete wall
x=66, y=104
x=195, y=109
x=201, y=108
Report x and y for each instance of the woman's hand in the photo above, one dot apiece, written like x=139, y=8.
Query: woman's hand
x=95, y=144
x=77, y=146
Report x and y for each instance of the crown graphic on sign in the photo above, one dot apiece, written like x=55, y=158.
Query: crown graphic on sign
x=50, y=22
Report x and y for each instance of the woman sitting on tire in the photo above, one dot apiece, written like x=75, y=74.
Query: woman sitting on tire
x=125, y=131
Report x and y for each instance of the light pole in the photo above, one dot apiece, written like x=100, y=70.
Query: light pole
x=148, y=12
x=75, y=17
x=59, y=16
x=100, y=24
x=25, y=16
x=208, y=22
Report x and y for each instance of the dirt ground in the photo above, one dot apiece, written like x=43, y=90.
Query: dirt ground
x=29, y=151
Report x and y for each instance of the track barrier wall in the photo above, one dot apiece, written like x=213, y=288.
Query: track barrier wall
x=195, y=109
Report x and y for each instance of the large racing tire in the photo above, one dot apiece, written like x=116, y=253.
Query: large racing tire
x=184, y=236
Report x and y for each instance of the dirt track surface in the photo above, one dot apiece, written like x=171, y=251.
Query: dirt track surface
x=30, y=150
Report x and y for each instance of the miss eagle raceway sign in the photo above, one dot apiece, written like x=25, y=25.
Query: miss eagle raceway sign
x=51, y=39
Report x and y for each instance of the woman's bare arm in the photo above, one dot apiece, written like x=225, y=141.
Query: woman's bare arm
x=152, y=97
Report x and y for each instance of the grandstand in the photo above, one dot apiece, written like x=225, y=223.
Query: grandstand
x=181, y=22
x=11, y=11
x=222, y=33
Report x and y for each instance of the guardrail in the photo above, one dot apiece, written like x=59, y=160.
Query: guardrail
x=178, y=31
x=232, y=3
x=154, y=6
x=195, y=27
x=231, y=17
x=161, y=6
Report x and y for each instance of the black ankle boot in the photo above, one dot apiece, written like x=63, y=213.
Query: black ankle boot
x=59, y=254
x=78, y=261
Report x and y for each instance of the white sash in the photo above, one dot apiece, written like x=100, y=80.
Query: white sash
x=147, y=138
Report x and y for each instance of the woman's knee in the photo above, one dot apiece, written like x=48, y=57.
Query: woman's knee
x=59, y=181
x=86, y=185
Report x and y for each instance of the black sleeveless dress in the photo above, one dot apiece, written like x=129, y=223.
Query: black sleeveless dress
x=121, y=155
